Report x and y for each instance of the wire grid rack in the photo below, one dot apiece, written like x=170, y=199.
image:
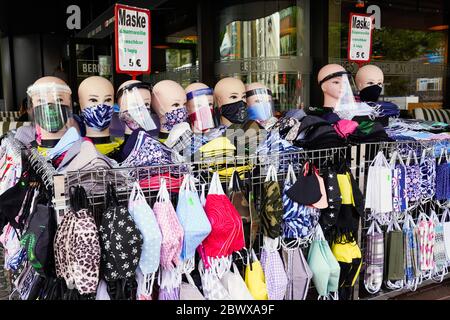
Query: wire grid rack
x=365, y=154
x=253, y=177
x=358, y=157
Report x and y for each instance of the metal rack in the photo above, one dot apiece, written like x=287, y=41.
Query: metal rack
x=365, y=154
x=357, y=157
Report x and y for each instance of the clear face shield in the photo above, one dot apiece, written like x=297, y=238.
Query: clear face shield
x=135, y=104
x=260, y=104
x=50, y=105
x=200, y=108
x=342, y=86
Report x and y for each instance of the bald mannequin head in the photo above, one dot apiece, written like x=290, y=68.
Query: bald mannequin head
x=200, y=106
x=254, y=98
x=331, y=88
x=51, y=91
x=227, y=91
x=94, y=92
x=195, y=86
x=369, y=75
x=169, y=103
x=132, y=98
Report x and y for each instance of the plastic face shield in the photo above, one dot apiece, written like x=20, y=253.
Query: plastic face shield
x=200, y=107
x=260, y=104
x=51, y=105
x=342, y=85
x=135, y=110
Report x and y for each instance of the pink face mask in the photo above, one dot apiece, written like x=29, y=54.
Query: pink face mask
x=171, y=229
x=344, y=128
x=38, y=135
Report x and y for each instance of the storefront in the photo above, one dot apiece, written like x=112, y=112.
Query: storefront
x=257, y=172
x=280, y=43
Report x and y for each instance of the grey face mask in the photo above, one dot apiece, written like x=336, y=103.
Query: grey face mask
x=299, y=274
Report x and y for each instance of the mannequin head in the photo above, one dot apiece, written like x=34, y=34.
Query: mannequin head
x=259, y=102
x=96, y=97
x=51, y=106
x=230, y=97
x=332, y=88
x=131, y=94
x=169, y=103
x=200, y=107
x=370, y=80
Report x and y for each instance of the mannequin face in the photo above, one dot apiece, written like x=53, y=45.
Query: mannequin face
x=332, y=89
x=94, y=91
x=135, y=98
x=143, y=96
x=169, y=102
x=229, y=90
x=194, y=87
x=97, y=95
x=55, y=94
x=369, y=75
x=251, y=100
x=200, y=108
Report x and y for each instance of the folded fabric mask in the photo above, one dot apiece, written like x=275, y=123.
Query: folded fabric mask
x=192, y=218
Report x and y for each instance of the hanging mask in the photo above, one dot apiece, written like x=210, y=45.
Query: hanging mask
x=98, y=117
x=370, y=94
x=235, y=112
x=174, y=117
x=138, y=117
x=51, y=117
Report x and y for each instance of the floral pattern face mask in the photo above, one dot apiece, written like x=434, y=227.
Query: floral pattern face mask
x=175, y=117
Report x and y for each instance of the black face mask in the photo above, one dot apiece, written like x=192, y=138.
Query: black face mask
x=235, y=112
x=370, y=94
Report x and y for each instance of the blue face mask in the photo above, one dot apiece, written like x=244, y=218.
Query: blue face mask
x=98, y=117
x=260, y=111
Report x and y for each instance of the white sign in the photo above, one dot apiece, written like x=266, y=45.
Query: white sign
x=132, y=28
x=360, y=38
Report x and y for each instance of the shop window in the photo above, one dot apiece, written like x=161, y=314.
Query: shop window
x=267, y=42
x=410, y=45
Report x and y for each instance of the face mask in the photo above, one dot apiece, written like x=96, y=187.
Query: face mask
x=138, y=117
x=260, y=111
x=175, y=117
x=235, y=112
x=38, y=135
x=370, y=94
x=98, y=117
x=51, y=117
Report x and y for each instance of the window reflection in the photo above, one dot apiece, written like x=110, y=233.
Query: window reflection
x=261, y=47
x=272, y=36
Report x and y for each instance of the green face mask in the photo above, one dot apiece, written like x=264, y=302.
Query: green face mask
x=51, y=117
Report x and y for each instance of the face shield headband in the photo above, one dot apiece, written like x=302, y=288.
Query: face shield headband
x=199, y=93
x=138, y=85
x=334, y=75
x=258, y=92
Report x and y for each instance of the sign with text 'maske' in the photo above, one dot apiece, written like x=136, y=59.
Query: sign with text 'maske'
x=133, y=36
x=360, y=38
